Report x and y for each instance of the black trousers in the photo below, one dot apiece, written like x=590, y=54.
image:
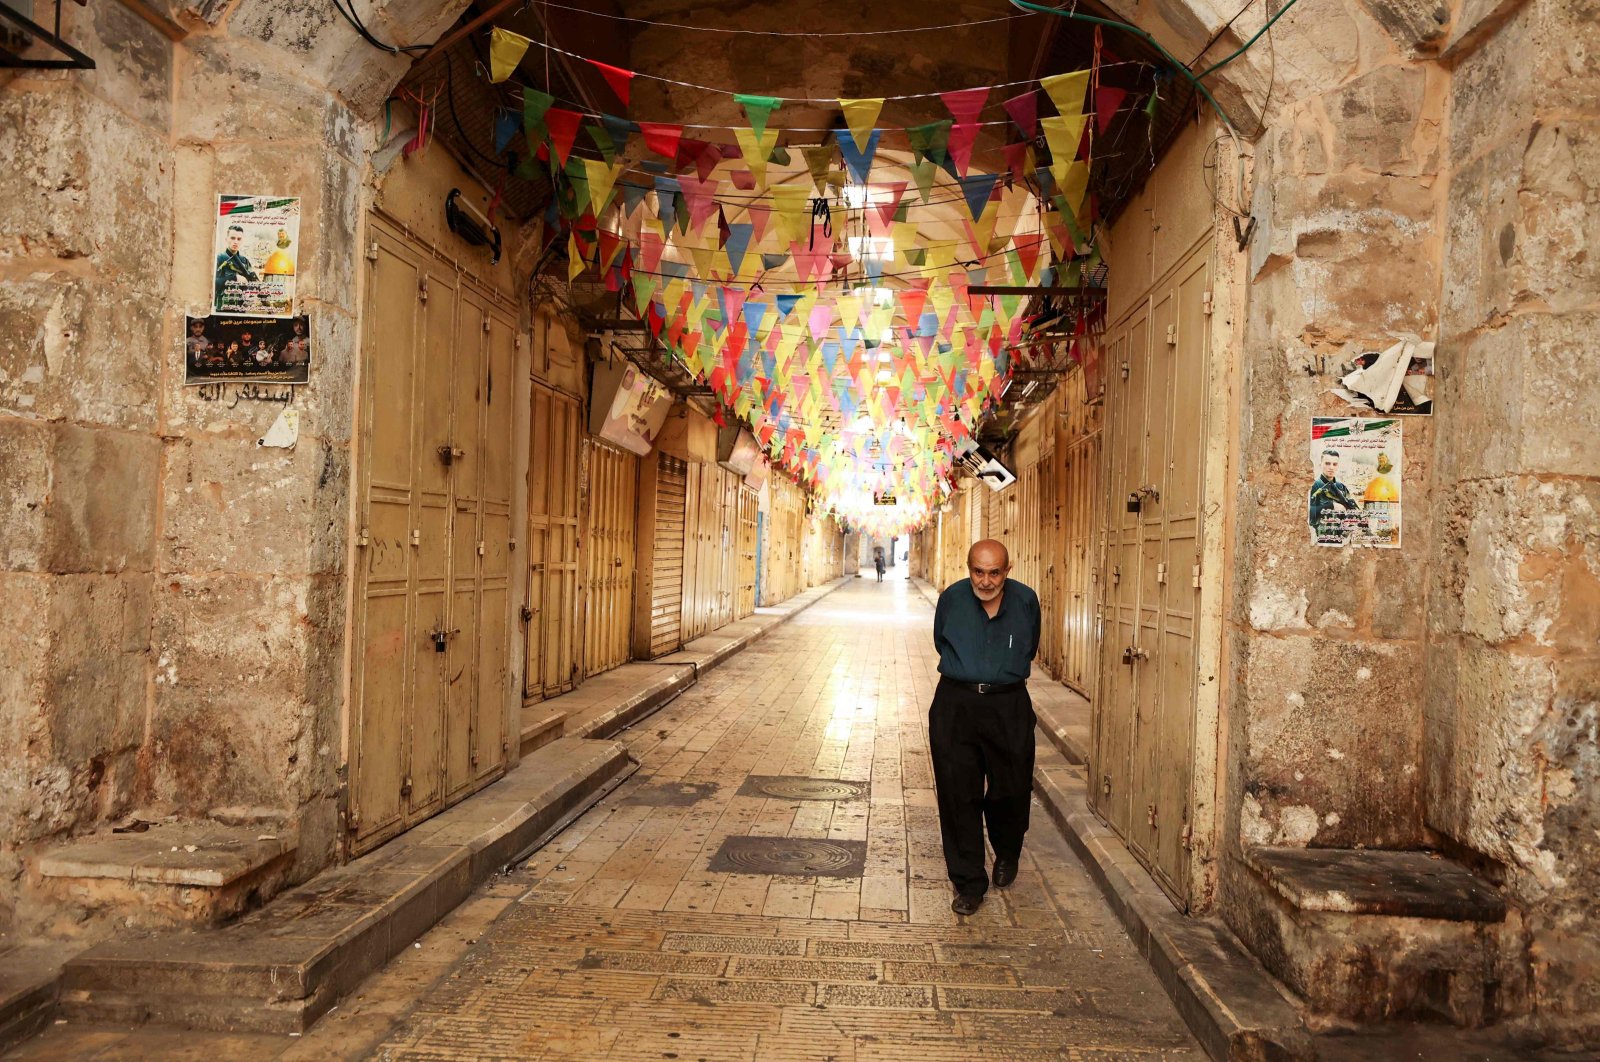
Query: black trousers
x=982, y=749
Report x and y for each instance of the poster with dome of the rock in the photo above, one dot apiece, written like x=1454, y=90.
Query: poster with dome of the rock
x=257, y=249
x=1355, y=493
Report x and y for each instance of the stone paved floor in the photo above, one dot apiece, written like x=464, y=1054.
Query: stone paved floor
x=616, y=941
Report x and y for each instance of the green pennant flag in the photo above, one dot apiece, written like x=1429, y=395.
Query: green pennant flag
x=602, y=140
x=534, y=104
x=819, y=160
x=758, y=109
x=923, y=171
x=930, y=140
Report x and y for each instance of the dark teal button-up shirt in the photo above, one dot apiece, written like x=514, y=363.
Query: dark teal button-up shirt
x=974, y=648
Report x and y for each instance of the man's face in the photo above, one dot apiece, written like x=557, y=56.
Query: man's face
x=987, y=568
x=197, y=329
x=1330, y=465
x=235, y=240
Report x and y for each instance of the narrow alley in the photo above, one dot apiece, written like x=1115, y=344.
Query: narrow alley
x=647, y=930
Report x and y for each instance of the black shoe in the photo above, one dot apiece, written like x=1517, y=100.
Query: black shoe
x=966, y=904
x=1005, y=872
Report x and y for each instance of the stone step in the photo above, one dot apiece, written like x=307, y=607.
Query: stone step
x=165, y=874
x=1373, y=935
x=541, y=725
x=280, y=968
x=29, y=978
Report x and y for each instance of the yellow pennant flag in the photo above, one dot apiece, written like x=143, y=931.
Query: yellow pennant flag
x=1072, y=185
x=506, y=50
x=757, y=148
x=1067, y=91
x=703, y=257
x=575, y=262
x=791, y=201
x=1063, y=134
x=983, y=229
x=602, y=179
x=861, y=116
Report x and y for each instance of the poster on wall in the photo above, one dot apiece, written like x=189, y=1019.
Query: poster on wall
x=1354, y=497
x=219, y=349
x=257, y=248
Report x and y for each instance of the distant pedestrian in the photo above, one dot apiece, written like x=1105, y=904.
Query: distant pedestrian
x=980, y=727
x=878, y=562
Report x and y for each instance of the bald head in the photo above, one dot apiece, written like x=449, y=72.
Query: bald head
x=988, y=564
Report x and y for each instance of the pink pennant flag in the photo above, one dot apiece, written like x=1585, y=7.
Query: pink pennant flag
x=821, y=320
x=619, y=79
x=962, y=137
x=759, y=218
x=1106, y=103
x=700, y=196
x=1024, y=111
x=965, y=104
x=1017, y=160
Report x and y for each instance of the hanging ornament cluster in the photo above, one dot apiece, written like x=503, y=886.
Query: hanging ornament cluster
x=829, y=310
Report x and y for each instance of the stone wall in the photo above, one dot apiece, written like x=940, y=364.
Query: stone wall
x=1513, y=686
x=174, y=620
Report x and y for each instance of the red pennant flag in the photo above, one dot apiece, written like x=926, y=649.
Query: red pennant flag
x=912, y=301
x=759, y=217
x=563, y=127
x=1017, y=160
x=962, y=137
x=1024, y=111
x=618, y=78
x=662, y=138
x=1107, y=101
x=1028, y=252
x=965, y=104
x=886, y=210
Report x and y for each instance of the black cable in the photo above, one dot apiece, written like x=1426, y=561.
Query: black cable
x=351, y=17
x=450, y=98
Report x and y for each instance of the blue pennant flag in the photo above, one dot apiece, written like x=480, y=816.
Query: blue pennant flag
x=858, y=162
x=786, y=303
x=632, y=196
x=667, y=190
x=738, y=243
x=506, y=124
x=977, y=188
x=773, y=261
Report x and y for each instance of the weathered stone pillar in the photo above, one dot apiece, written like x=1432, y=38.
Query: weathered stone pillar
x=1513, y=663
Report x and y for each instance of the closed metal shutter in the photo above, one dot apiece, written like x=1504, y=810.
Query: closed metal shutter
x=666, y=593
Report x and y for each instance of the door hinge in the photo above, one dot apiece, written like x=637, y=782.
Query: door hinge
x=372, y=251
x=1196, y=577
x=480, y=549
x=352, y=823
x=364, y=537
x=486, y=325
x=1172, y=335
x=1187, y=837
x=1150, y=814
x=1161, y=573
x=1105, y=784
x=1124, y=370
x=1205, y=303
x=405, y=787
x=1116, y=575
x=416, y=536
x=422, y=289
x=527, y=613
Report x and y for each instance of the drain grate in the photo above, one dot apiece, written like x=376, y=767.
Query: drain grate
x=794, y=787
x=802, y=856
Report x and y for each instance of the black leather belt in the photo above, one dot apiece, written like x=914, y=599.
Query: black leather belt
x=988, y=687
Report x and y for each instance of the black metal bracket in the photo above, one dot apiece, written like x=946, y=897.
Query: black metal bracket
x=1242, y=235
x=27, y=28
x=476, y=231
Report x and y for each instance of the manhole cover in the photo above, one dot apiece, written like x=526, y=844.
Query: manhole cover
x=790, y=787
x=790, y=855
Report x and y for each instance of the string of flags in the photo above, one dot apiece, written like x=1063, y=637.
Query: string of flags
x=837, y=325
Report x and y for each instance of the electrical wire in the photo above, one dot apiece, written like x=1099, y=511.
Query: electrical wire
x=780, y=33
x=351, y=17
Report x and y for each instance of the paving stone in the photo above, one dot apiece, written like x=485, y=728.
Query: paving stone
x=903, y=997
x=729, y=945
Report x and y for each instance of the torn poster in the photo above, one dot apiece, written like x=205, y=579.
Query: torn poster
x=1355, y=488
x=257, y=251
x=1396, y=380
x=247, y=348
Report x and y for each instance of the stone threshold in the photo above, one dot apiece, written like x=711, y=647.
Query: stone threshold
x=281, y=967
x=1229, y=1001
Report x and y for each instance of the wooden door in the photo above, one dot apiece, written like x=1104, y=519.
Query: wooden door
x=1144, y=710
x=667, y=554
x=552, y=594
x=1083, y=508
x=609, y=549
x=728, y=549
x=429, y=684
x=749, y=538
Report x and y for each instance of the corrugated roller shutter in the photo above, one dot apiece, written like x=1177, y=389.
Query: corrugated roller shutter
x=666, y=599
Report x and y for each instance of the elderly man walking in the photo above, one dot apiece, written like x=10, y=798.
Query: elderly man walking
x=980, y=727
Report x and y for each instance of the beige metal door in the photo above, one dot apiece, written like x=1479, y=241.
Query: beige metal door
x=1144, y=714
x=667, y=553
x=552, y=595
x=428, y=704
x=609, y=551
x=693, y=551
x=727, y=548
x=749, y=504
x=1083, y=511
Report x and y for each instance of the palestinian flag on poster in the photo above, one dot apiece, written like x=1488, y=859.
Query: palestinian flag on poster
x=233, y=205
x=1336, y=429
